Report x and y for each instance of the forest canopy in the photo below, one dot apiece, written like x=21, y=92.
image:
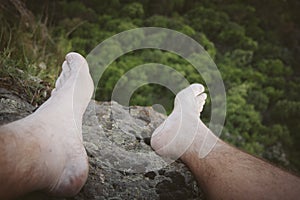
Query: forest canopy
x=254, y=43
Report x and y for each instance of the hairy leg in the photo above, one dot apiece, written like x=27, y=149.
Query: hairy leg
x=226, y=172
x=44, y=151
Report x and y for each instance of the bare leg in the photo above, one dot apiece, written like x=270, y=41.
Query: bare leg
x=44, y=151
x=225, y=173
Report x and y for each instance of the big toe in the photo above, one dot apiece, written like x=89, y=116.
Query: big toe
x=189, y=94
x=75, y=60
x=197, y=89
x=191, y=91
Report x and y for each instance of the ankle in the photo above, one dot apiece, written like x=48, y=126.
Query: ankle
x=24, y=166
x=203, y=144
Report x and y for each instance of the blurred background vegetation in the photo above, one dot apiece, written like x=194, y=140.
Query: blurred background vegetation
x=255, y=44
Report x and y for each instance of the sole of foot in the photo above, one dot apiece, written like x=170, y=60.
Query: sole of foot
x=61, y=117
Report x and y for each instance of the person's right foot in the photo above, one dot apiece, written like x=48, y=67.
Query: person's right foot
x=177, y=133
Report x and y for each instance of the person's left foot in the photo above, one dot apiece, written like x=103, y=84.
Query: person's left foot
x=61, y=119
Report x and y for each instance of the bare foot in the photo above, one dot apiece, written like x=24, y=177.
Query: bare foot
x=178, y=133
x=61, y=167
x=62, y=117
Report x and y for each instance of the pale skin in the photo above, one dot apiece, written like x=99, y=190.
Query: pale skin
x=226, y=172
x=44, y=151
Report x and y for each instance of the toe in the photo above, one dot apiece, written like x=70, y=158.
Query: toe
x=191, y=91
x=65, y=67
x=186, y=97
x=70, y=66
x=197, y=88
x=58, y=82
x=74, y=59
x=201, y=101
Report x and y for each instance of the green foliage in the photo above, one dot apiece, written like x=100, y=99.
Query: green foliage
x=255, y=45
x=133, y=10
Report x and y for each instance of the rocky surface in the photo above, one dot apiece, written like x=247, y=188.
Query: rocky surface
x=12, y=107
x=122, y=163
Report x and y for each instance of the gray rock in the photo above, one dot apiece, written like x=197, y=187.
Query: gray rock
x=12, y=107
x=122, y=163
